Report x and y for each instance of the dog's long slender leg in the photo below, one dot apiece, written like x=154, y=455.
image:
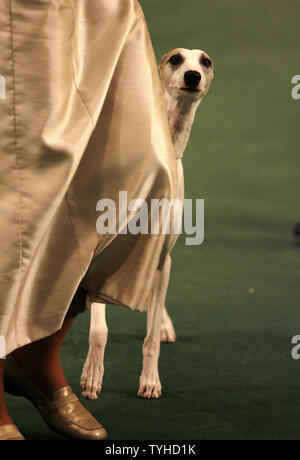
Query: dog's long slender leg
x=167, y=331
x=93, y=369
x=150, y=386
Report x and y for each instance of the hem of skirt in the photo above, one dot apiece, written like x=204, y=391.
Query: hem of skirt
x=99, y=297
x=11, y=346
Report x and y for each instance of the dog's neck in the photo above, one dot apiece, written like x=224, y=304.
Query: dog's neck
x=181, y=114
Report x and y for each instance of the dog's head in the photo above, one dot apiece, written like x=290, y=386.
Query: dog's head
x=186, y=73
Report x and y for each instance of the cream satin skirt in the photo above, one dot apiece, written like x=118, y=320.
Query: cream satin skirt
x=81, y=118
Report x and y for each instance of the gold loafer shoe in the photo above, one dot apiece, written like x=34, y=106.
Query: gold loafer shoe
x=64, y=414
x=10, y=433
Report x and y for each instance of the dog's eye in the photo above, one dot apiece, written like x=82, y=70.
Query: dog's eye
x=206, y=62
x=176, y=59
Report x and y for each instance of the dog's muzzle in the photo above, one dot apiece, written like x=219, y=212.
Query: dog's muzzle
x=192, y=79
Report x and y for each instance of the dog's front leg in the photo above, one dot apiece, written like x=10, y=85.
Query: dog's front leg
x=93, y=369
x=150, y=386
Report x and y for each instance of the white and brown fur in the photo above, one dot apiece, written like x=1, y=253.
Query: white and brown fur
x=186, y=76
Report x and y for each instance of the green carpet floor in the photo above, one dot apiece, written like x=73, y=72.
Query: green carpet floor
x=230, y=375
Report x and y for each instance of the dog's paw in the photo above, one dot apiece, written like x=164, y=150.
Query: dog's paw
x=92, y=374
x=150, y=386
x=150, y=391
x=167, y=332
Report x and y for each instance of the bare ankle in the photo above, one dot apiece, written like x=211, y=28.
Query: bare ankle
x=4, y=416
x=5, y=420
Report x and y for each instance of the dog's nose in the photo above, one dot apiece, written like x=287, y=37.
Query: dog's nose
x=192, y=79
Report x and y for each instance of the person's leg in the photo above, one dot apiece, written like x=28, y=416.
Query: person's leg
x=4, y=417
x=35, y=372
x=41, y=359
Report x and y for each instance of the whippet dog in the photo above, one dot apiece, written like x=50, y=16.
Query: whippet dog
x=186, y=76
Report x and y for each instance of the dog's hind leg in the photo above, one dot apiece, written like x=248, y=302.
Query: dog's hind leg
x=150, y=386
x=167, y=331
x=93, y=369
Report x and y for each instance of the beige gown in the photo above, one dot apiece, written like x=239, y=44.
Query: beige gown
x=81, y=118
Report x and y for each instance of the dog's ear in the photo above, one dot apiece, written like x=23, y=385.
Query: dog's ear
x=165, y=56
x=160, y=70
x=162, y=64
